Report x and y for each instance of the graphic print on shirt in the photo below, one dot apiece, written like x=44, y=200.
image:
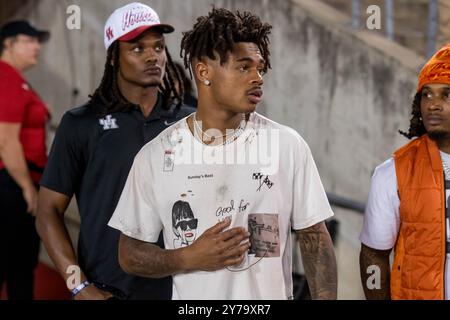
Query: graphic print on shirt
x=263, y=180
x=169, y=160
x=264, y=235
x=108, y=122
x=184, y=224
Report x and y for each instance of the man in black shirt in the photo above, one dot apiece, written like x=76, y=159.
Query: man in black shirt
x=94, y=149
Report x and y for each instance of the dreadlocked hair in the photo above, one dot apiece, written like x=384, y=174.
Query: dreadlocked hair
x=219, y=31
x=108, y=92
x=416, y=127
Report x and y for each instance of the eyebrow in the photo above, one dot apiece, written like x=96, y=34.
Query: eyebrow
x=445, y=88
x=141, y=40
x=248, y=59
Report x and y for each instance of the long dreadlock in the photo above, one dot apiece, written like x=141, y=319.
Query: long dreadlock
x=108, y=92
x=219, y=31
x=416, y=127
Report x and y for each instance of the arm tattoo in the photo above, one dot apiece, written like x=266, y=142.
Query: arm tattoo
x=375, y=273
x=319, y=261
x=148, y=260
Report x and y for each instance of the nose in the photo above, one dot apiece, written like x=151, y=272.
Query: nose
x=435, y=104
x=37, y=46
x=151, y=57
x=257, y=79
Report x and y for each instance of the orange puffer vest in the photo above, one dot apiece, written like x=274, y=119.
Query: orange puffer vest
x=418, y=269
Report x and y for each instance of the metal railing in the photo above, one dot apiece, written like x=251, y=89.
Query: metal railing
x=432, y=21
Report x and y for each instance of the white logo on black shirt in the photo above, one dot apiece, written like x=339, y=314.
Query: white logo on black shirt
x=108, y=123
x=169, y=123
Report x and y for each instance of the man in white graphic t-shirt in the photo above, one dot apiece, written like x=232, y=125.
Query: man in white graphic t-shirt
x=227, y=166
x=407, y=208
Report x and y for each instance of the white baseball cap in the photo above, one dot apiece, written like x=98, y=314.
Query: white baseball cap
x=128, y=22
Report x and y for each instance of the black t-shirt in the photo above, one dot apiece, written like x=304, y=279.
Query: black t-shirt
x=90, y=157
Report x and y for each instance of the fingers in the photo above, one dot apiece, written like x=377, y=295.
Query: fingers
x=32, y=206
x=234, y=233
x=231, y=257
x=30, y=197
x=234, y=240
x=234, y=255
x=34, y=210
x=29, y=207
x=238, y=250
x=219, y=227
x=234, y=260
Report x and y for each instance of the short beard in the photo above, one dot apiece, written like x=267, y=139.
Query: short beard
x=439, y=135
x=156, y=83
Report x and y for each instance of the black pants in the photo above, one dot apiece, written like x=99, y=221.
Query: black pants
x=19, y=241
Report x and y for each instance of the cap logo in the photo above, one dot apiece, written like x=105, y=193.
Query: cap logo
x=109, y=34
x=128, y=22
x=131, y=18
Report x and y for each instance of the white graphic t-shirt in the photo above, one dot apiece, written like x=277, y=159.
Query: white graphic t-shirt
x=382, y=216
x=266, y=181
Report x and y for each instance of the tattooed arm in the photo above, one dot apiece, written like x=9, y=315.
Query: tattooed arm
x=215, y=249
x=371, y=257
x=319, y=261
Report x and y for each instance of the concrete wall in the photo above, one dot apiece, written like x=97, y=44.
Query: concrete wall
x=346, y=93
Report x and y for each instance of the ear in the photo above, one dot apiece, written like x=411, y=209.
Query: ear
x=8, y=42
x=202, y=71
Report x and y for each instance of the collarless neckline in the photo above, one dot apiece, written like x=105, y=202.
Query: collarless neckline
x=244, y=134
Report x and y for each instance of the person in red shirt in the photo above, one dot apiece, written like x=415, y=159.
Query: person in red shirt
x=22, y=156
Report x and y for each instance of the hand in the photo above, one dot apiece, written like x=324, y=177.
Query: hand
x=91, y=292
x=30, y=195
x=216, y=249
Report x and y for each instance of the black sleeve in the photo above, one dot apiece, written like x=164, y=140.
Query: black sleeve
x=64, y=170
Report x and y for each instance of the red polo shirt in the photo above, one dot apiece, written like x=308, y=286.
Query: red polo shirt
x=20, y=104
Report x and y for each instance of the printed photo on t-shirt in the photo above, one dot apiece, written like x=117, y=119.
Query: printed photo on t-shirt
x=184, y=224
x=264, y=235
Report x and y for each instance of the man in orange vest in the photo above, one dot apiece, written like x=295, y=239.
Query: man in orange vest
x=408, y=206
